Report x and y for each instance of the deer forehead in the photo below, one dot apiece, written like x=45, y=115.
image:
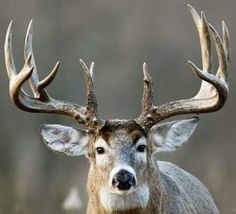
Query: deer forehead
x=118, y=152
x=120, y=141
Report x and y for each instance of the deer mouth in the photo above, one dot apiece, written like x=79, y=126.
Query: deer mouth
x=122, y=200
x=123, y=192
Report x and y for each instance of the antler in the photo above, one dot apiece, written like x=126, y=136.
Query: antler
x=214, y=90
x=211, y=97
x=41, y=101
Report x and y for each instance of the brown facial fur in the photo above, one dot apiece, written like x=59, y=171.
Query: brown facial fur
x=112, y=126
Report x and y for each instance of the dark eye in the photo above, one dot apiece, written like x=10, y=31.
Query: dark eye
x=141, y=148
x=100, y=150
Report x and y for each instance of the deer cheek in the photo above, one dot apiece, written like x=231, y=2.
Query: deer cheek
x=102, y=160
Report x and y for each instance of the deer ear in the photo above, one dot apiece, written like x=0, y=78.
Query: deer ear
x=167, y=137
x=65, y=140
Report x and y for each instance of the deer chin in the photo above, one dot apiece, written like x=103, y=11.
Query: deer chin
x=125, y=200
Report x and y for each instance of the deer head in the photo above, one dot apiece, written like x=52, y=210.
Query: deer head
x=121, y=151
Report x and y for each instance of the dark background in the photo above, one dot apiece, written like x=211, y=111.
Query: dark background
x=119, y=36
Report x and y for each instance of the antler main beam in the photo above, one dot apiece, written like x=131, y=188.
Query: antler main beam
x=214, y=88
x=41, y=101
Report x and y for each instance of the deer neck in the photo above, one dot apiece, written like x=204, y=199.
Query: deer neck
x=156, y=203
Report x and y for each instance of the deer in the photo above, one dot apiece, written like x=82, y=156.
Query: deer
x=125, y=176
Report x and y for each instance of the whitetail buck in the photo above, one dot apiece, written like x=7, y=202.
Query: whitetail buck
x=124, y=176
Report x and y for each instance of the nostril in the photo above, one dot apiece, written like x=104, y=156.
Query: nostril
x=132, y=181
x=123, y=180
x=115, y=182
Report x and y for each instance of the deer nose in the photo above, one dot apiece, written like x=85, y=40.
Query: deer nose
x=123, y=180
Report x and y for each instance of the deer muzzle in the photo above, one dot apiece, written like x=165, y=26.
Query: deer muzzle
x=123, y=178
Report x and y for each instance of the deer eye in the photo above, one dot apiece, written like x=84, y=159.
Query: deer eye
x=141, y=148
x=100, y=150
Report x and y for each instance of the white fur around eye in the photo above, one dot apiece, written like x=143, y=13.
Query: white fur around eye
x=141, y=156
x=141, y=141
x=101, y=159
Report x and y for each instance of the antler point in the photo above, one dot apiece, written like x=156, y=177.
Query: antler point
x=190, y=7
x=224, y=26
x=9, y=29
x=92, y=65
x=203, y=17
x=30, y=26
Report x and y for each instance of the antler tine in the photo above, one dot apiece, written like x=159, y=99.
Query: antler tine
x=10, y=64
x=16, y=80
x=222, y=55
x=47, y=80
x=37, y=86
x=34, y=79
x=214, y=88
x=147, y=101
x=91, y=69
x=91, y=95
x=226, y=40
x=204, y=36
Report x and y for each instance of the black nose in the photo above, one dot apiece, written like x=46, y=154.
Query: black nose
x=123, y=180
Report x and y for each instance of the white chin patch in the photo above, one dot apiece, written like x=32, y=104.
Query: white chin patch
x=138, y=198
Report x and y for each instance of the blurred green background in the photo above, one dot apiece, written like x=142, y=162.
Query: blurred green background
x=119, y=36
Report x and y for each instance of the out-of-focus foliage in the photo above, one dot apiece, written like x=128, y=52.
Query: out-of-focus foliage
x=118, y=36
